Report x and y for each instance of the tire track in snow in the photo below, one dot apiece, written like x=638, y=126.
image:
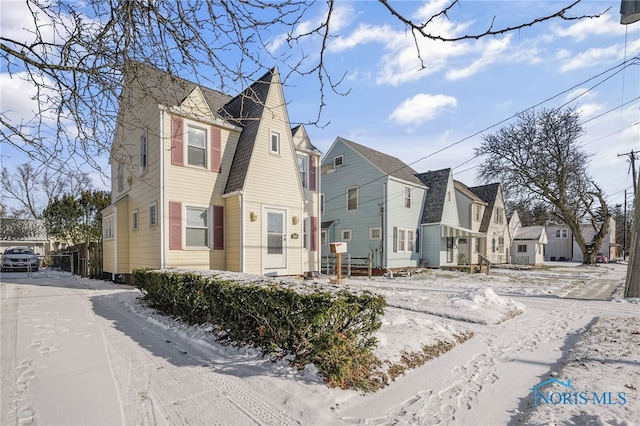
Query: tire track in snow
x=173, y=379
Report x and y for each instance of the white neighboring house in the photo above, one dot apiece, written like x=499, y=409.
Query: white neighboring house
x=528, y=244
x=563, y=247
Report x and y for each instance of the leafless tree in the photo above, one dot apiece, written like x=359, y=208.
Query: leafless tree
x=539, y=159
x=33, y=187
x=75, y=55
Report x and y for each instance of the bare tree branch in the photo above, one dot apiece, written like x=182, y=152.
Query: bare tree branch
x=75, y=56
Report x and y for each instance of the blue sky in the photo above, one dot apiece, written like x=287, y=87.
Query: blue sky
x=410, y=111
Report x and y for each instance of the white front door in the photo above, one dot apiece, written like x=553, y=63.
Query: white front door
x=275, y=239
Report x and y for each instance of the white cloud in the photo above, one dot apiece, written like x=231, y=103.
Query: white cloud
x=589, y=110
x=580, y=94
x=490, y=53
x=592, y=57
x=17, y=96
x=341, y=16
x=585, y=28
x=420, y=108
x=361, y=35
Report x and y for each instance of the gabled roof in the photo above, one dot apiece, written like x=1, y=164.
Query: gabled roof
x=389, y=165
x=303, y=133
x=487, y=193
x=529, y=233
x=464, y=189
x=170, y=90
x=437, y=181
x=246, y=110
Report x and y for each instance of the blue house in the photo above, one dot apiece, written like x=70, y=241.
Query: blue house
x=372, y=201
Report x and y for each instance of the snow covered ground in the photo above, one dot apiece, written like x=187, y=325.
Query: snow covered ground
x=549, y=346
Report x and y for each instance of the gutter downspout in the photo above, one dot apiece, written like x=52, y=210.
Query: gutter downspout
x=114, y=227
x=161, y=212
x=385, y=237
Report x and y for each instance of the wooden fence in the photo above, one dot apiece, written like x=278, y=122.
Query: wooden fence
x=351, y=265
x=82, y=259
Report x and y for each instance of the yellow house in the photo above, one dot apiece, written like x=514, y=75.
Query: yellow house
x=202, y=180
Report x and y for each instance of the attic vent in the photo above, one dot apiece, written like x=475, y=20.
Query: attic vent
x=337, y=161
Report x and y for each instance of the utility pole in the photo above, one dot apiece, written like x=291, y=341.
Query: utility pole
x=632, y=282
x=624, y=235
x=632, y=160
x=630, y=13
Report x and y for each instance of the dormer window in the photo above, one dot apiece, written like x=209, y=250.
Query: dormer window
x=337, y=161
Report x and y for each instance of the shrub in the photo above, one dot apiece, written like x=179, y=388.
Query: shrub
x=326, y=326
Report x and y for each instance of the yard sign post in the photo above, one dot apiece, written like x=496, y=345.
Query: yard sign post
x=338, y=249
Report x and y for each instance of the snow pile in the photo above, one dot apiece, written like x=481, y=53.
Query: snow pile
x=484, y=306
x=406, y=331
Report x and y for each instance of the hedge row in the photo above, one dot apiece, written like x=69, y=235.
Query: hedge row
x=330, y=328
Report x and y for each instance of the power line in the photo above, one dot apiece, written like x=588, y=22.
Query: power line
x=623, y=65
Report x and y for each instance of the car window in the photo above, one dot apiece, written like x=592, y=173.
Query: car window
x=19, y=251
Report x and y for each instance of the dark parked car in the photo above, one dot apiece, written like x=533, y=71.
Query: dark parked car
x=19, y=259
x=602, y=258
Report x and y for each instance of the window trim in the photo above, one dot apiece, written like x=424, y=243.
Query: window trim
x=404, y=240
x=153, y=205
x=324, y=238
x=135, y=220
x=520, y=248
x=107, y=227
x=411, y=240
x=278, y=141
x=185, y=226
x=357, y=190
x=499, y=216
x=342, y=234
x=304, y=174
x=144, y=151
x=305, y=233
x=207, y=148
x=407, y=197
x=372, y=230
x=120, y=177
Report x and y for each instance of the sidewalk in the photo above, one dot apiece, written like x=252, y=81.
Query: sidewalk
x=600, y=288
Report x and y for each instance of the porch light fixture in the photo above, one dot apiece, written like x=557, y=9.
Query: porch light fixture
x=253, y=216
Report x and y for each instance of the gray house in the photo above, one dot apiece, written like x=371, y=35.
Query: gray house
x=441, y=232
x=470, y=213
x=494, y=225
x=373, y=202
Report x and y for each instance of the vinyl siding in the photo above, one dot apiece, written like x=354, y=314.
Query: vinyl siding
x=108, y=255
x=498, y=230
x=405, y=218
x=233, y=234
x=272, y=181
x=355, y=171
x=431, y=243
x=121, y=222
x=193, y=186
